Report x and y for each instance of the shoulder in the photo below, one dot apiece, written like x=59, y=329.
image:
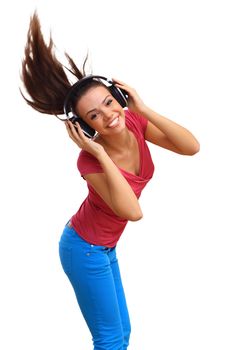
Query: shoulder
x=87, y=163
x=136, y=121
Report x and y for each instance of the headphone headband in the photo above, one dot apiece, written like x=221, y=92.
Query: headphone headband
x=119, y=94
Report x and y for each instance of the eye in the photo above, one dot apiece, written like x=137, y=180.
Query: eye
x=93, y=116
x=109, y=102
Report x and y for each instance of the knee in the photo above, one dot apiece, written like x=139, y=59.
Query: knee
x=115, y=341
x=118, y=341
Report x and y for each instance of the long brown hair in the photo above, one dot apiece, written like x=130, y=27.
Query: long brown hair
x=43, y=76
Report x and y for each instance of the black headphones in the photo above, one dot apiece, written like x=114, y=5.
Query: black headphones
x=120, y=95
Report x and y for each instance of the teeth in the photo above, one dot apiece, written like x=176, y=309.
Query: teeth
x=114, y=122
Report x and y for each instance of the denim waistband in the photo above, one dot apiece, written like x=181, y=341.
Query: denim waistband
x=71, y=235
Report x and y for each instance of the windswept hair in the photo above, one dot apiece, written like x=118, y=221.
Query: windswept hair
x=43, y=76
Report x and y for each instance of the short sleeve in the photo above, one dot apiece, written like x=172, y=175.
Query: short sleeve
x=143, y=122
x=88, y=164
x=139, y=120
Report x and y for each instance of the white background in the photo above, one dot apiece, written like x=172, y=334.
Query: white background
x=176, y=262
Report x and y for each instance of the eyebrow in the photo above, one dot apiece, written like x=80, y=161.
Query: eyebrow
x=95, y=108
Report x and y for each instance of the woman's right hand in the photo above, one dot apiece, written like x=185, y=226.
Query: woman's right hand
x=83, y=142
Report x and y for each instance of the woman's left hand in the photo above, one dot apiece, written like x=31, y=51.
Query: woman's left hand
x=135, y=103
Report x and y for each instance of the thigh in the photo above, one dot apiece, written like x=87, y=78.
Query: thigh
x=89, y=270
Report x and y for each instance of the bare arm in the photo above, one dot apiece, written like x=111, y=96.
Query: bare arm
x=168, y=134
x=160, y=130
x=111, y=185
x=115, y=190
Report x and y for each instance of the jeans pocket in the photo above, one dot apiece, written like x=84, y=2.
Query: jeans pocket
x=90, y=249
x=65, y=254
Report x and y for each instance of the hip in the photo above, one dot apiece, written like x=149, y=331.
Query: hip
x=70, y=237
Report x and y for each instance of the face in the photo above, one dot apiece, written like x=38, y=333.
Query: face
x=99, y=109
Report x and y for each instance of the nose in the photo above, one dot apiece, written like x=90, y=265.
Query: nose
x=107, y=113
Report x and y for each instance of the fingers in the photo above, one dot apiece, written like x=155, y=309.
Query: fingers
x=69, y=131
x=122, y=85
x=78, y=131
x=75, y=132
x=118, y=81
x=73, y=129
x=115, y=80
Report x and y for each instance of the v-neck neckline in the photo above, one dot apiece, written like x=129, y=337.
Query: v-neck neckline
x=140, y=157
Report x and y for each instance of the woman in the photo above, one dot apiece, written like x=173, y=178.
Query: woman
x=116, y=165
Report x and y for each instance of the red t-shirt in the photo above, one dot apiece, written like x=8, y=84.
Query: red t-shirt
x=95, y=221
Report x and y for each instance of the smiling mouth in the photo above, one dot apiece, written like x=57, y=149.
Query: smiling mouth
x=114, y=123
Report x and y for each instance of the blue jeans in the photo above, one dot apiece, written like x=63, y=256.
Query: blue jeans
x=94, y=274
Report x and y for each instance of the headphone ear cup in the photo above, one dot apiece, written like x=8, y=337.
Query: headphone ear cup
x=88, y=131
x=119, y=94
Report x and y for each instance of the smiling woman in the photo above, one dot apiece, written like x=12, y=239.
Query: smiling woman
x=110, y=125
x=106, y=109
